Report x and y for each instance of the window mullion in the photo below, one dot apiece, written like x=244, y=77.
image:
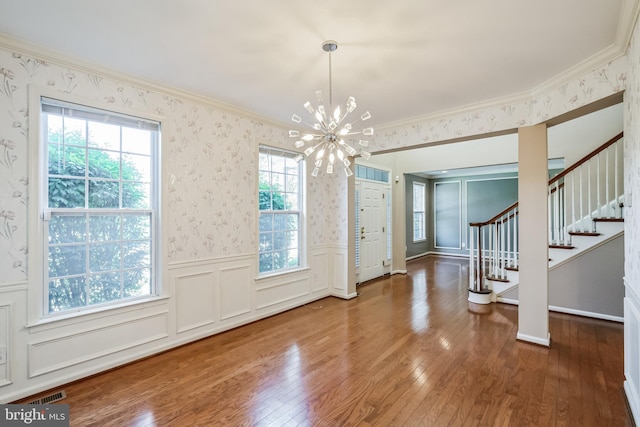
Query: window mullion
x=87, y=244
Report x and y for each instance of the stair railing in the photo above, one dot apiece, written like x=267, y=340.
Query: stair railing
x=589, y=189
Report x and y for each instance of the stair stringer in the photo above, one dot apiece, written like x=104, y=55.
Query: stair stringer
x=504, y=292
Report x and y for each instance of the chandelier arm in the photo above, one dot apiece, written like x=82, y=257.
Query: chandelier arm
x=311, y=125
x=314, y=135
x=343, y=117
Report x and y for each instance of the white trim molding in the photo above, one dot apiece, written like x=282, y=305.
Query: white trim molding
x=535, y=340
x=632, y=348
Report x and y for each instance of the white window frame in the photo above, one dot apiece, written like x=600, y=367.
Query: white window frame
x=38, y=310
x=419, y=210
x=300, y=212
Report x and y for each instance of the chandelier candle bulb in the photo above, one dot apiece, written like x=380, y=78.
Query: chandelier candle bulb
x=309, y=107
x=365, y=116
x=296, y=118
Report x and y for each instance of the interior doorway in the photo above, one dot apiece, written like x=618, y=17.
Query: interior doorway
x=373, y=224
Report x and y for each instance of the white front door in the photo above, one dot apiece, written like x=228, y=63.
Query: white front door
x=372, y=230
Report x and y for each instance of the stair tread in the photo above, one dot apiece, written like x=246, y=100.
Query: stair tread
x=561, y=247
x=608, y=219
x=583, y=233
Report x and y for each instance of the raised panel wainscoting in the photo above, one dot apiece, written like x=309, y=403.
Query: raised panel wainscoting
x=632, y=348
x=199, y=298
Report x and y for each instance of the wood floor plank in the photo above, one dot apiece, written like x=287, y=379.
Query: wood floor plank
x=409, y=351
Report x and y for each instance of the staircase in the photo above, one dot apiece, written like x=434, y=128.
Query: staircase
x=585, y=210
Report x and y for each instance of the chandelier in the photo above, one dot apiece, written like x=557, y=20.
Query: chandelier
x=327, y=143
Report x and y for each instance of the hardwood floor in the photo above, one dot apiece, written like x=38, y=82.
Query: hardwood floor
x=408, y=351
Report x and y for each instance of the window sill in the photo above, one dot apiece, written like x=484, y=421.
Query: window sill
x=420, y=241
x=273, y=274
x=97, y=312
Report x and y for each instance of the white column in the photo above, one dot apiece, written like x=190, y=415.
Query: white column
x=533, y=308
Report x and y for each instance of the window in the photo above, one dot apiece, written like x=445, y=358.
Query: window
x=418, y=212
x=372, y=174
x=100, y=206
x=280, y=205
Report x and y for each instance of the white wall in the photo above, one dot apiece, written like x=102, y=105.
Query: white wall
x=209, y=229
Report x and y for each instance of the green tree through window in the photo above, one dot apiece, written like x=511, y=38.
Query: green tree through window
x=279, y=201
x=99, y=231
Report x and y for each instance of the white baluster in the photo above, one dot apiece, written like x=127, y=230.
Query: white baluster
x=580, y=183
x=589, y=206
x=472, y=272
x=606, y=175
x=616, y=195
x=509, y=247
x=598, y=177
x=502, y=250
x=549, y=215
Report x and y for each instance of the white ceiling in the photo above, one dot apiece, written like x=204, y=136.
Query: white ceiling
x=401, y=59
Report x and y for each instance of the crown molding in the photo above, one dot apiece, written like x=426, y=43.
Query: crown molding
x=628, y=16
x=58, y=58
x=605, y=56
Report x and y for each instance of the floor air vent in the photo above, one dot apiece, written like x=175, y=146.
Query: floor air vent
x=50, y=398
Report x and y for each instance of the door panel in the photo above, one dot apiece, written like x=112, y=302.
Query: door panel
x=372, y=237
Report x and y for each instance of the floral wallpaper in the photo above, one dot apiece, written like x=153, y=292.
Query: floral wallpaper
x=330, y=224
x=210, y=156
x=632, y=163
x=209, y=176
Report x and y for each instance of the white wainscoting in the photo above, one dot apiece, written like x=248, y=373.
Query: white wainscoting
x=198, y=299
x=82, y=346
x=632, y=348
x=192, y=312
x=320, y=271
x=5, y=342
x=340, y=268
x=280, y=292
x=235, y=283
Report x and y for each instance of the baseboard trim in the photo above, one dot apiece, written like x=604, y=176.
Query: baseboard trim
x=398, y=272
x=632, y=401
x=586, y=314
x=569, y=311
x=535, y=340
x=417, y=256
x=348, y=296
